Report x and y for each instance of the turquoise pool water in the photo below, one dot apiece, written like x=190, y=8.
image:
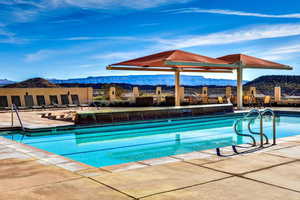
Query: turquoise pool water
x=123, y=143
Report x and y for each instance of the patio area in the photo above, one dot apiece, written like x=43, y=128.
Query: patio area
x=28, y=173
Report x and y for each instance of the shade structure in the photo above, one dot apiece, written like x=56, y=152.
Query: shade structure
x=253, y=62
x=175, y=61
x=181, y=61
x=249, y=62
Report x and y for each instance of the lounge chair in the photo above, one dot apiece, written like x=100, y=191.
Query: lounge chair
x=246, y=100
x=5, y=108
x=267, y=101
x=220, y=100
x=253, y=101
x=72, y=105
x=37, y=107
x=53, y=117
x=204, y=100
x=232, y=100
x=69, y=117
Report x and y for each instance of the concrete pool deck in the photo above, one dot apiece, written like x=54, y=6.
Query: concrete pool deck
x=271, y=173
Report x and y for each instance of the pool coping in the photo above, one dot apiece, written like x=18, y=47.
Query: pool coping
x=74, y=126
x=49, y=158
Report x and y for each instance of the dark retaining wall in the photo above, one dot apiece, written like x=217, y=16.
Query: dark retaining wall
x=150, y=114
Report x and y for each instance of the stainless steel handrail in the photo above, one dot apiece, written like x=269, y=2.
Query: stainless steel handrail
x=14, y=108
x=258, y=116
x=261, y=126
x=273, y=122
x=242, y=119
x=252, y=111
x=242, y=134
x=261, y=130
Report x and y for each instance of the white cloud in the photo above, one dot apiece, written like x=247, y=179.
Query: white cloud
x=22, y=15
x=118, y=55
x=33, y=9
x=148, y=24
x=62, y=52
x=83, y=38
x=22, y=10
x=271, y=57
x=125, y=55
x=49, y=53
x=280, y=53
x=6, y=33
x=286, y=49
x=89, y=65
x=234, y=12
x=98, y=4
x=104, y=4
x=233, y=36
x=7, y=36
x=21, y=2
x=38, y=56
x=159, y=44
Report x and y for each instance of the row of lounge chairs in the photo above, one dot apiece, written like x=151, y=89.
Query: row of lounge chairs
x=253, y=101
x=269, y=101
x=250, y=101
x=196, y=100
x=205, y=100
x=47, y=107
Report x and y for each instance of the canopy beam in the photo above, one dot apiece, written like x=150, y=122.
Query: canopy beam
x=286, y=67
x=201, y=64
x=166, y=70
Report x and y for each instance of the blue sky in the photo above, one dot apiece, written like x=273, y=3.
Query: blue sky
x=78, y=38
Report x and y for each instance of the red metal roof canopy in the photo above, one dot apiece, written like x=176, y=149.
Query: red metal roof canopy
x=160, y=59
x=253, y=62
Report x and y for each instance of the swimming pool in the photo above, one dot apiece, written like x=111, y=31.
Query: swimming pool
x=128, y=142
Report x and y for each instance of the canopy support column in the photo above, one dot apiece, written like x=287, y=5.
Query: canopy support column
x=177, y=88
x=239, y=93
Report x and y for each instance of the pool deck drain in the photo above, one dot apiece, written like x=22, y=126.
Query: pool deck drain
x=272, y=173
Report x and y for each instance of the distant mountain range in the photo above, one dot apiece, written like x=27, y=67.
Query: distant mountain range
x=290, y=85
x=32, y=83
x=148, y=80
x=5, y=82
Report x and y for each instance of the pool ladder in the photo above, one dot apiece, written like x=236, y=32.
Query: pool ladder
x=14, y=108
x=263, y=137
